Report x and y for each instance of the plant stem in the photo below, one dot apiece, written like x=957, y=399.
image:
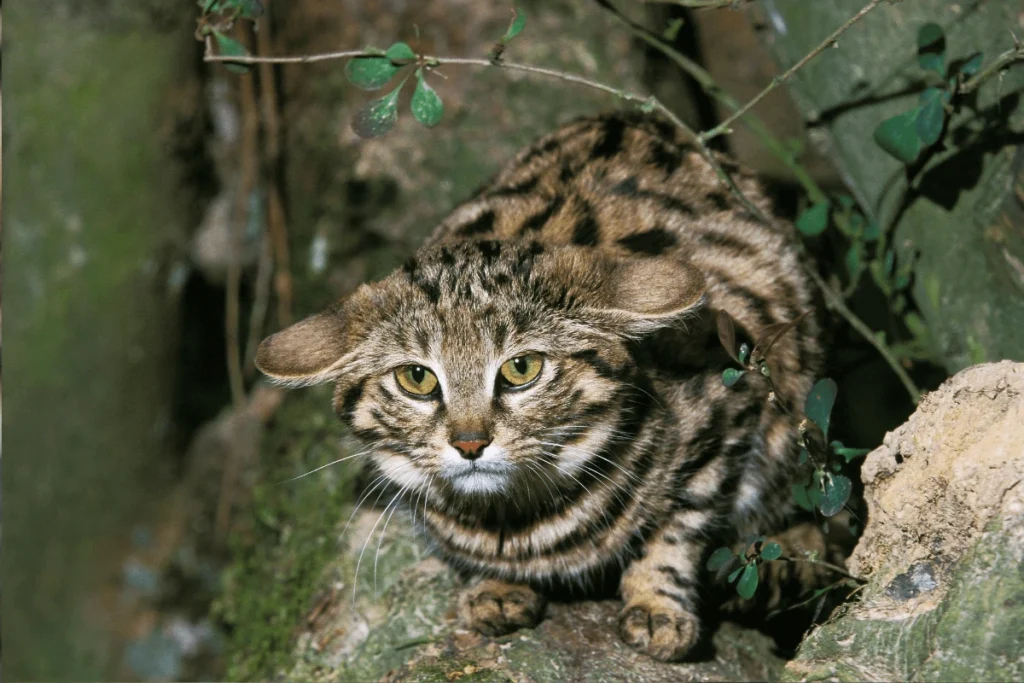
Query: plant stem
x=298, y=59
x=834, y=567
x=701, y=4
x=997, y=65
x=723, y=127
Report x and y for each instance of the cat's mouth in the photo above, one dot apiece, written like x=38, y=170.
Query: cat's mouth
x=479, y=477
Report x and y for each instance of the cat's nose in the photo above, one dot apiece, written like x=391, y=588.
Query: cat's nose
x=470, y=445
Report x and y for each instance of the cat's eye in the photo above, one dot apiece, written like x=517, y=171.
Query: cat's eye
x=521, y=370
x=416, y=379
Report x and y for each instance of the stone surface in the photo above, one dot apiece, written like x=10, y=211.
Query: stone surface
x=960, y=217
x=943, y=547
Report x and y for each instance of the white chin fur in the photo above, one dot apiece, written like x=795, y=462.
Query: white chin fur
x=487, y=474
x=479, y=482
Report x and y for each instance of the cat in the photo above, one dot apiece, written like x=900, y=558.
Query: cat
x=545, y=374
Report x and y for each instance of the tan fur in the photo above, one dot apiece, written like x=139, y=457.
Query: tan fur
x=606, y=248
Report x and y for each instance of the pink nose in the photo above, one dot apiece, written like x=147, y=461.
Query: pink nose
x=470, y=446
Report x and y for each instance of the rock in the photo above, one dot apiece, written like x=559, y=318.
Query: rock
x=943, y=546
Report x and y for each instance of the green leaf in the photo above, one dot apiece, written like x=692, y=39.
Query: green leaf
x=735, y=573
x=853, y=259
x=249, y=9
x=806, y=496
x=930, y=116
x=931, y=39
x=400, y=52
x=426, y=105
x=872, y=231
x=814, y=219
x=370, y=73
x=672, y=31
x=803, y=457
x=771, y=551
x=897, y=135
x=848, y=454
x=229, y=47
x=932, y=62
x=835, y=491
x=731, y=375
x=377, y=116
x=744, y=352
x=748, y=582
x=972, y=65
x=719, y=559
x=818, y=406
x=517, y=25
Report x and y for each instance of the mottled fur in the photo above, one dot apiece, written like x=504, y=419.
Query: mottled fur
x=606, y=247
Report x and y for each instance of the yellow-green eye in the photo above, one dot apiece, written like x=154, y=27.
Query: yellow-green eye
x=416, y=379
x=522, y=370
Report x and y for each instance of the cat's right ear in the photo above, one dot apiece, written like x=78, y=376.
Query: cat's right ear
x=308, y=352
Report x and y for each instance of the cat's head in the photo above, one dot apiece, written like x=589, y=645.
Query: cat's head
x=485, y=368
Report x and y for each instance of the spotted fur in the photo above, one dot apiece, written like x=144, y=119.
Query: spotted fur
x=607, y=247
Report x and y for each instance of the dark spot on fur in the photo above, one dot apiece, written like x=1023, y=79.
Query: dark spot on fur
x=480, y=225
x=610, y=143
x=654, y=242
x=539, y=219
x=586, y=232
x=627, y=188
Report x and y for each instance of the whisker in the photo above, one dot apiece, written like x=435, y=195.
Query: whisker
x=335, y=462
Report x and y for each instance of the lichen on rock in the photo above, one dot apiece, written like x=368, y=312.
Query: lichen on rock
x=943, y=547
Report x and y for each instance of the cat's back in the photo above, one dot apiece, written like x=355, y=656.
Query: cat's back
x=628, y=183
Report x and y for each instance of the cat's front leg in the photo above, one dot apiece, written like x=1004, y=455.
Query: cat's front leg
x=495, y=607
x=659, y=591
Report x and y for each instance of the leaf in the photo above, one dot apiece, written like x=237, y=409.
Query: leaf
x=727, y=334
x=748, y=582
x=818, y=406
x=931, y=39
x=806, y=496
x=229, y=47
x=772, y=334
x=744, y=353
x=249, y=9
x=814, y=219
x=670, y=33
x=835, y=491
x=735, y=573
x=400, y=52
x=517, y=25
x=853, y=259
x=370, y=73
x=972, y=65
x=771, y=551
x=930, y=116
x=719, y=559
x=897, y=135
x=377, y=116
x=932, y=62
x=731, y=375
x=426, y=105
x=848, y=454
x=872, y=231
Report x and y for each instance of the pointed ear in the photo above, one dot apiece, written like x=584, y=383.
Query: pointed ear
x=308, y=352
x=631, y=295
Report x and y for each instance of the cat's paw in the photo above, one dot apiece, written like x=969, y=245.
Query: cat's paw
x=659, y=627
x=495, y=608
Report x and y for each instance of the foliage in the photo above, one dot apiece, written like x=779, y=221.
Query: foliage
x=742, y=564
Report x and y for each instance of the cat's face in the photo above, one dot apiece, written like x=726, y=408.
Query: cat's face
x=488, y=368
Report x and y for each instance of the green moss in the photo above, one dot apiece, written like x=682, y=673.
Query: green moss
x=270, y=586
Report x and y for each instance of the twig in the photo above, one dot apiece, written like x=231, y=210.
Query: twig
x=701, y=4
x=1003, y=61
x=258, y=316
x=723, y=127
x=276, y=222
x=299, y=59
x=835, y=301
x=828, y=565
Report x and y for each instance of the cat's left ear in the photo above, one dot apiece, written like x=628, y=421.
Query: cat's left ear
x=632, y=296
x=308, y=352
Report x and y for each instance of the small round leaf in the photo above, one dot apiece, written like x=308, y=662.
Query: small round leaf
x=744, y=352
x=229, y=47
x=377, y=117
x=897, y=135
x=731, y=375
x=719, y=559
x=517, y=25
x=818, y=406
x=814, y=219
x=930, y=116
x=771, y=551
x=735, y=573
x=972, y=65
x=835, y=491
x=747, y=585
x=426, y=105
x=931, y=38
x=370, y=73
x=400, y=52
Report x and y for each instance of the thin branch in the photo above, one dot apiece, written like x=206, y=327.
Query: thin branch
x=723, y=127
x=828, y=565
x=835, y=301
x=997, y=65
x=700, y=4
x=300, y=59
